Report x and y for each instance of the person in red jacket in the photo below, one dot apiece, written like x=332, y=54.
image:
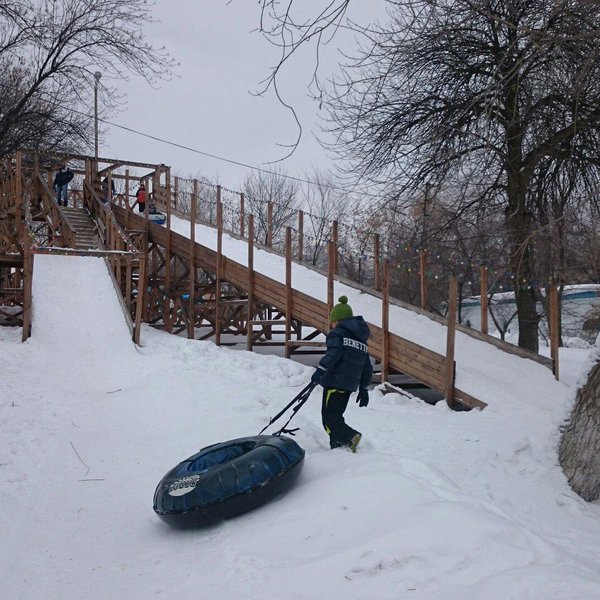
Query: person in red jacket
x=140, y=198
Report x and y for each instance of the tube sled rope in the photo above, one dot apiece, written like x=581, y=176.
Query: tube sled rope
x=227, y=479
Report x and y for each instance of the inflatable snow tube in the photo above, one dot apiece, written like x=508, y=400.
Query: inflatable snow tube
x=227, y=479
x=157, y=218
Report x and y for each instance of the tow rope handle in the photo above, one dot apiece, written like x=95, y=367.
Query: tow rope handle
x=300, y=399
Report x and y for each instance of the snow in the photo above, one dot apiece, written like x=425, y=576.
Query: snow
x=435, y=504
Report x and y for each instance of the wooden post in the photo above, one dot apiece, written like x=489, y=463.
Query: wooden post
x=141, y=299
x=451, y=335
x=167, y=301
x=27, y=286
x=270, y=224
x=128, y=289
x=334, y=237
x=288, y=289
x=423, y=278
x=484, y=299
x=553, y=325
x=376, y=265
x=19, y=223
x=219, y=268
x=249, y=329
x=242, y=214
x=330, y=275
x=192, y=305
x=385, y=323
x=176, y=194
x=300, y=235
x=127, y=203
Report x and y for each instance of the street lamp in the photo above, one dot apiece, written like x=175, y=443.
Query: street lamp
x=97, y=76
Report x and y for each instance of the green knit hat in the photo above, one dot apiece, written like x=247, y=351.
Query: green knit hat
x=341, y=311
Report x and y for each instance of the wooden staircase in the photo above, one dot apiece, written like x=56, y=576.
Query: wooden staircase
x=85, y=229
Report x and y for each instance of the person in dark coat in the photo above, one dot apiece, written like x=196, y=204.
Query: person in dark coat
x=345, y=368
x=61, y=185
x=106, y=195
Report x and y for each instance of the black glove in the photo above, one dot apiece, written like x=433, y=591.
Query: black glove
x=317, y=375
x=363, y=397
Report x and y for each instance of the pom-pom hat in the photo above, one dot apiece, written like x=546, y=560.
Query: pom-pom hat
x=341, y=311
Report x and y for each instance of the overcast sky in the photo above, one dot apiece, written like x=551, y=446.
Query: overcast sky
x=208, y=105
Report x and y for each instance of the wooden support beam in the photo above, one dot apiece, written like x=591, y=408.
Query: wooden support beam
x=330, y=275
x=20, y=225
x=385, y=322
x=450, y=339
x=250, y=309
x=192, y=259
x=553, y=325
x=484, y=299
x=167, y=300
x=27, y=291
x=219, y=269
x=300, y=236
x=376, y=264
x=176, y=194
x=288, y=289
x=423, y=279
x=127, y=203
x=242, y=214
x=334, y=238
x=269, y=224
x=141, y=300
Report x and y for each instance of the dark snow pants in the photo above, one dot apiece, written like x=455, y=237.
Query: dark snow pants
x=332, y=412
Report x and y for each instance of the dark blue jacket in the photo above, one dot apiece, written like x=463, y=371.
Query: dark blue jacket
x=63, y=177
x=347, y=363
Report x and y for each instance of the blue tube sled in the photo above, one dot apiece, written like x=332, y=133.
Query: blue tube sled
x=227, y=479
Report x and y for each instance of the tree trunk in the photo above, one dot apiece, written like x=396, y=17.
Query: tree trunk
x=517, y=224
x=579, y=451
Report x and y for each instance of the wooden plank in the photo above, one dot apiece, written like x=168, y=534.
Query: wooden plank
x=300, y=236
x=484, y=299
x=288, y=289
x=192, y=263
x=167, y=300
x=250, y=312
x=450, y=339
x=376, y=265
x=385, y=322
x=219, y=268
x=242, y=214
x=423, y=279
x=27, y=291
x=334, y=239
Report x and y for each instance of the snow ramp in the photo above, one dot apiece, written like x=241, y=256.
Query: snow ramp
x=76, y=311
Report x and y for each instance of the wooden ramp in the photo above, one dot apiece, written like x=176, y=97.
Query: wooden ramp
x=431, y=368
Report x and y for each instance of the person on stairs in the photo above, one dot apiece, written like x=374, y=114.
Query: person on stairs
x=345, y=367
x=61, y=185
x=140, y=198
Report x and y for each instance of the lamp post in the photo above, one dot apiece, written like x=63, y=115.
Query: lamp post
x=97, y=76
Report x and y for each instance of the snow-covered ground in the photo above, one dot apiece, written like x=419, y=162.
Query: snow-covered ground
x=436, y=504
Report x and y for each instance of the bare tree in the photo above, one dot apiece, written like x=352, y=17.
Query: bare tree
x=324, y=204
x=49, y=52
x=274, y=188
x=290, y=26
x=480, y=90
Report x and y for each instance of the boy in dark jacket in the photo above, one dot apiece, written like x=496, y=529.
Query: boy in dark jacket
x=345, y=368
x=61, y=185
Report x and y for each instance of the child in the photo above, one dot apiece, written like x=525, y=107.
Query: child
x=345, y=368
x=140, y=198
